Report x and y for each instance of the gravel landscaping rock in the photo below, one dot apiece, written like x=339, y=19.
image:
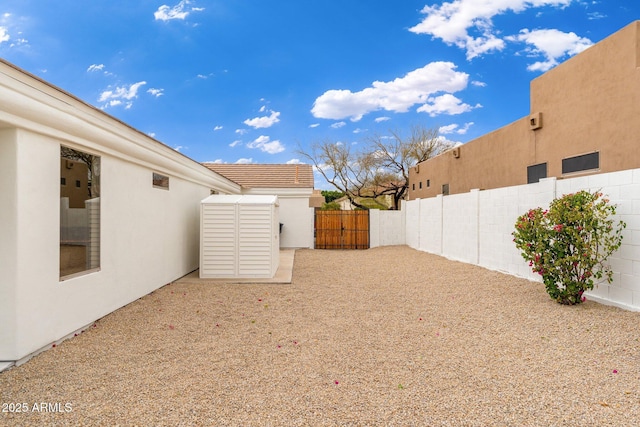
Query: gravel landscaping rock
x=383, y=337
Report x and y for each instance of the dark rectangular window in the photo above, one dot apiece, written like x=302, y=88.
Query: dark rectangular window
x=413, y=186
x=420, y=184
x=581, y=163
x=428, y=183
x=536, y=172
x=160, y=181
x=78, y=184
x=63, y=181
x=445, y=189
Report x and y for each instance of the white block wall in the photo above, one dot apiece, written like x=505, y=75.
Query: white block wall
x=385, y=228
x=476, y=227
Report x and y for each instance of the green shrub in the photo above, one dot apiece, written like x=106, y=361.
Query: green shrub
x=568, y=244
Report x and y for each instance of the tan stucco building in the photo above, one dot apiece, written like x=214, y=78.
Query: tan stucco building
x=74, y=182
x=584, y=119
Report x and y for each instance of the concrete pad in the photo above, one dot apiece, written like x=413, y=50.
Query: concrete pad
x=6, y=365
x=283, y=274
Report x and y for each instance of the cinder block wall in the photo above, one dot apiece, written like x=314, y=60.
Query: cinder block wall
x=476, y=227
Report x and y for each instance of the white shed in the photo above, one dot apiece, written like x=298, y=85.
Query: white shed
x=239, y=236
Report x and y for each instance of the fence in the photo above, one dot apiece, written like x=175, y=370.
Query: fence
x=342, y=229
x=476, y=228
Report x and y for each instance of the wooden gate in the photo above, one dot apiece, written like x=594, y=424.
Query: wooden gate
x=342, y=229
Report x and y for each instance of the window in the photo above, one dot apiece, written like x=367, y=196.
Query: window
x=581, y=163
x=536, y=172
x=445, y=189
x=420, y=184
x=413, y=186
x=160, y=181
x=428, y=183
x=79, y=213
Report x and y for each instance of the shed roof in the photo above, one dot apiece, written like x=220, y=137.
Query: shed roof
x=266, y=176
x=232, y=199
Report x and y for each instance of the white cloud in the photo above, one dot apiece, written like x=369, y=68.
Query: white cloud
x=382, y=119
x=398, y=95
x=445, y=104
x=156, y=92
x=552, y=45
x=234, y=143
x=179, y=11
x=151, y=134
x=338, y=125
x=179, y=147
x=4, y=35
x=217, y=127
x=478, y=83
x=217, y=161
x=265, y=145
x=264, y=121
x=116, y=96
x=452, y=22
x=314, y=125
x=95, y=67
x=358, y=130
x=454, y=128
x=9, y=34
x=445, y=130
x=241, y=131
x=243, y=161
x=465, y=128
x=295, y=162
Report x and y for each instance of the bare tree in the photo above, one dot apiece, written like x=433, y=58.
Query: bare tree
x=340, y=167
x=381, y=168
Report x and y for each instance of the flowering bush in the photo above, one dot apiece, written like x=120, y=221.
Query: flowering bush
x=569, y=243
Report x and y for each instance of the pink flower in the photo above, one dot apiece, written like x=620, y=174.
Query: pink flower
x=615, y=371
x=336, y=382
x=558, y=228
x=172, y=327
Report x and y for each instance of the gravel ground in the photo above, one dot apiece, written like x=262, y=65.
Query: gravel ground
x=388, y=336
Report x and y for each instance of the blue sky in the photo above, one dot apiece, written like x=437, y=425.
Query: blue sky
x=250, y=81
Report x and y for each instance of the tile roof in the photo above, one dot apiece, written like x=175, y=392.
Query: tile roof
x=266, y=176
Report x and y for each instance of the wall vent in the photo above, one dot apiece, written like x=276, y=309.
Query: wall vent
x=535, y=121
x=69, y=164
x=456, y=152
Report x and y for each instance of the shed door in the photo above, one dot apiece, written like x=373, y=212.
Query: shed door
x=219, y=241
x=255, y=248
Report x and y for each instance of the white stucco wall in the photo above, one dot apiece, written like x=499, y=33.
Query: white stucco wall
x=295, y=215
x=149, y=236
x=8, y=239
